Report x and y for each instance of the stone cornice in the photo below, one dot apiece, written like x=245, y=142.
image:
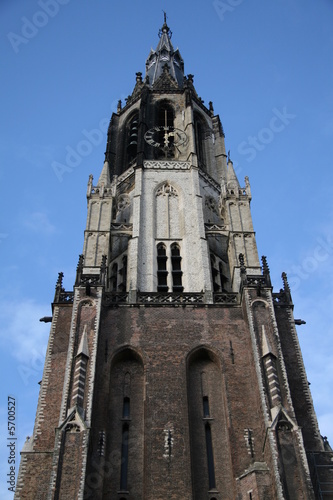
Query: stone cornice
x=166, y=165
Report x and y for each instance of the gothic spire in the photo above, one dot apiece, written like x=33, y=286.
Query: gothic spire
x=231, y=175
x=165, y=55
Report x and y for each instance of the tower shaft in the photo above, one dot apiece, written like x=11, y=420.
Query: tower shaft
x=173, y=370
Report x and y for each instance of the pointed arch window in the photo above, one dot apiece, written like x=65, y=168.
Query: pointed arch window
x=219, y=277
x=132, y=138
x=200, y=128
x=167, y=213
x=125, y=426
x=118, y=274
x=162, y=272
x=169, y=272
x=207, y=425
x=176, y=269
x=165, y=116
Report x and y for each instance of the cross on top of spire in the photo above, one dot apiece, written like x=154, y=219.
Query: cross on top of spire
x=165, y=28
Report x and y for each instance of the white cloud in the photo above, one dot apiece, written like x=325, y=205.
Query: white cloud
x=22, y=335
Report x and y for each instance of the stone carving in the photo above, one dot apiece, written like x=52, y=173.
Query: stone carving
x=211, y=204
x=166, y=190
x=123, y=202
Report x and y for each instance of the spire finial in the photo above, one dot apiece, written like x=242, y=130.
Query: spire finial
x=165, y=28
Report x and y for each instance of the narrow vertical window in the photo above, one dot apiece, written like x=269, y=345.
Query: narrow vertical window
x=124, y=444
x=210, y=456
x=132, y=140
x=208, y=433
x=162, y=273
x=176, y=269
x=198, y=134
x=124, y=274
x=126, y=407
x=200, y=131
x=124, y=458
x=114, y=274
x=205, y=406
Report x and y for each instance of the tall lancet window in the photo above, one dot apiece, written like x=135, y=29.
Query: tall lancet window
x=132, y=138
x=162, y=272
x=208, y=432
x=167, y=212
x=125, y=427
x=125, y=433
x=208, y=424
x=200, y=138
x=176, y=269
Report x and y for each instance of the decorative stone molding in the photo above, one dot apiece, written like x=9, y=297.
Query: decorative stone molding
x=215, y=228
x=167, y=165
x=171, y=298
x=120, y=228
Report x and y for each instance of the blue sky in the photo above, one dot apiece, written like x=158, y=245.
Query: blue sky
x=267, y=67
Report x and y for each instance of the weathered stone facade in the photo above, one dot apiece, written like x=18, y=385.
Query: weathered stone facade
x=172, y=371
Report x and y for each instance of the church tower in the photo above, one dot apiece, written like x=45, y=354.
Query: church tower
x=173, y=371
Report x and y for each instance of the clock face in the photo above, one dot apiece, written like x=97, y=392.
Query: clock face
x=165, y=137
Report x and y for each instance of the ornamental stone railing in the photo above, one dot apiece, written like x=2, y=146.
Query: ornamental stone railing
x=170, y=298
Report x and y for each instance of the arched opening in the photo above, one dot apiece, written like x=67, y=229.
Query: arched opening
x=132, y=130
x=125, y=425
x=176, y=269
x=209, y=440
x=200, y=128
x=162, y=272
x=219, y=277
